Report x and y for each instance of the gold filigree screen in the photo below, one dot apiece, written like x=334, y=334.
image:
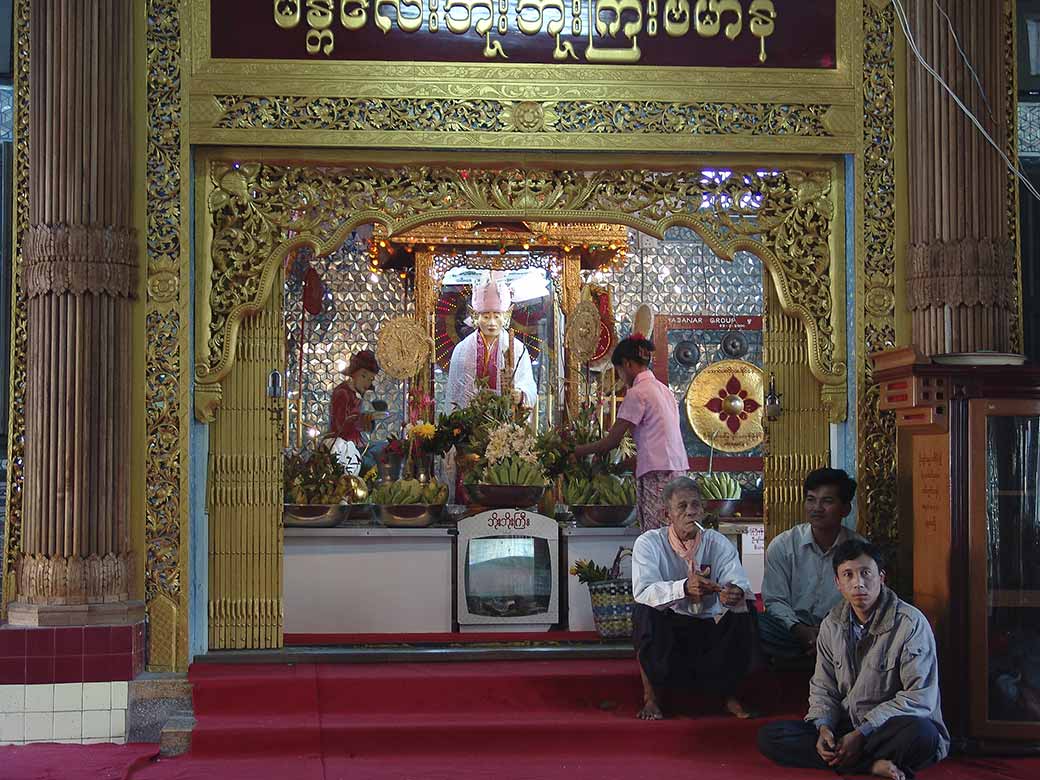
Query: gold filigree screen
x=259, y=212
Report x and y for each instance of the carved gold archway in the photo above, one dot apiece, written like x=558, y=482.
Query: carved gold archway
x=260, y=211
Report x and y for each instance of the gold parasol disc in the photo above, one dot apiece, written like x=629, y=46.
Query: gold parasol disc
x=582, y=331
x=403, y=347
x=724, y=405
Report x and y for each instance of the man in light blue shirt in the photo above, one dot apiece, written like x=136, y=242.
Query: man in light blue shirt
x=691, y=624
x=798, y=587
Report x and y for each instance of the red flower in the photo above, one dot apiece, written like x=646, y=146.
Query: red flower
x=732, y=404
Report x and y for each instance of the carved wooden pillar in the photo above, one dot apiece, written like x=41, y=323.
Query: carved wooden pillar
x=80, y=277
x=962, y=280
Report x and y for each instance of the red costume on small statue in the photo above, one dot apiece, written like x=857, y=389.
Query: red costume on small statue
x=348, y=421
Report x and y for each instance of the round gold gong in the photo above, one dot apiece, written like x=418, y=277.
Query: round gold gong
x=582, y=331
x=403, y=347
x=724, y=405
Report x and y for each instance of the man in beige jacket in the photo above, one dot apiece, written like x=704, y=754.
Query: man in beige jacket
x=874, y=699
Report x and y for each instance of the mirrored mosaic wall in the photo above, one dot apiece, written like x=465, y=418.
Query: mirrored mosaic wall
x=677, y=275
x=355, y=305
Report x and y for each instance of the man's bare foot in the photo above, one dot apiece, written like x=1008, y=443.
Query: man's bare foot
x=888, y=770
x=651, y=711
x=735, y=708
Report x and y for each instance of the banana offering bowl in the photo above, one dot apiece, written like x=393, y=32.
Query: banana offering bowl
x=507, y=496
x=409, y=515
x=721, y=508
x=311, y=515
x=603, y=515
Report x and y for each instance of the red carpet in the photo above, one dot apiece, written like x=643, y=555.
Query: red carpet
x=543, y=720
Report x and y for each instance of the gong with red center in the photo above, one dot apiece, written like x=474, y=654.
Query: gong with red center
x=724, y=405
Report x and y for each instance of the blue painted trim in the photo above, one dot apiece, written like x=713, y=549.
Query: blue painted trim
x=198, y=458
x=844, y=451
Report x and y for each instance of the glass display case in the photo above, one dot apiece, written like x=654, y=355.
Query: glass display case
x=969, y=452
x=1004, y=567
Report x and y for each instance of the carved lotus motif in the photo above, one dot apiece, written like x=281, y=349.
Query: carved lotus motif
x=528, y=117
x=732, y=404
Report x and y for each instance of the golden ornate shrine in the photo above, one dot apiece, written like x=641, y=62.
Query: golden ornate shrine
x=833, y=135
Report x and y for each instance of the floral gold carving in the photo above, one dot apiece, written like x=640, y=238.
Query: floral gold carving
x=80, y=259
x=1011, y=104
x=260, y=211
x=289, y=112
x=165, y=429
x=19, y=305
x=877, y=429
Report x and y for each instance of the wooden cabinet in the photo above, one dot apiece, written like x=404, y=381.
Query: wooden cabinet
x=974, y=444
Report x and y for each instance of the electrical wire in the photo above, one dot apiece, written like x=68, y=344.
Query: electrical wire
x=967, y=62
x=904, y=23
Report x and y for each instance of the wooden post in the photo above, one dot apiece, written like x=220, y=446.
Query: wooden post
x=962, y=278
x=80, y=277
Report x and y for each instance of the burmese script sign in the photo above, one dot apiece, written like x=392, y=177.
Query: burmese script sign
x=698, y=33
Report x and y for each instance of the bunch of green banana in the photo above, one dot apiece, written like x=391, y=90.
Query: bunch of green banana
x=719, y=487
x=435, y=493
x=612, y=491
x=514, y=471
x=410, y=491
x=578, y=491
x=604, y=489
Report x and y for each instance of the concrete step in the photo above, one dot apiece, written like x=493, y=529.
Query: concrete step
x=175, y=738
x=152, y=699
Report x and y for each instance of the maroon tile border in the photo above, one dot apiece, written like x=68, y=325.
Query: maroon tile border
x=73, y=654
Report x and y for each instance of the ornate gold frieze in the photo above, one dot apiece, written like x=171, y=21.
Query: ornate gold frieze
x=289, y=112
x=165, y=428
x=260, y=211
x=1011, y=123
x=877, y=430
x=19, y=305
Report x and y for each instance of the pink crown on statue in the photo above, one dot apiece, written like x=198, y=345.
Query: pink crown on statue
x=493, y=296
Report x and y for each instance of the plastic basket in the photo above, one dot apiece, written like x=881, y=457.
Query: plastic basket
x=612, y=602
x=612, y=608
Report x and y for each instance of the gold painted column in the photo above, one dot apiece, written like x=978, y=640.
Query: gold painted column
x=80, y=276
x=962, y=279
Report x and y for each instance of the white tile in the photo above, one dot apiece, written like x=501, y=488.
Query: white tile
x=96, y=723
x=9, y=744
x=68, y=697
x=68, y=725
x=119, y=740
x=118, y=723
x=98, y=741
x=97, y=696
x=12, y=698
x=39, y=726
x=39, y=698
x=12, y=727
x=119, y=695
x=70, y=741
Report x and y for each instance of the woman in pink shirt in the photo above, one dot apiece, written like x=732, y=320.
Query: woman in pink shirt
x=651, y=413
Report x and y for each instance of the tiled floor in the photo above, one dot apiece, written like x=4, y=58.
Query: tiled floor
x=80, y=713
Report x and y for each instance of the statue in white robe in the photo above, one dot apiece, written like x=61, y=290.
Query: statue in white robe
x=482, y=354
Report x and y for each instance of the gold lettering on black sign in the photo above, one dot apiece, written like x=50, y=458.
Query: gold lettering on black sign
x=611, y=27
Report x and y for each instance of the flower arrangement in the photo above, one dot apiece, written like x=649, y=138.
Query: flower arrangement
x=508, y=440
x=313, y=475
x=588, y=571
x=396, y=448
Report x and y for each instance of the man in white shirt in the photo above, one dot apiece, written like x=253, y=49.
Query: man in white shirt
x=691, y=625
x=798, y=587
